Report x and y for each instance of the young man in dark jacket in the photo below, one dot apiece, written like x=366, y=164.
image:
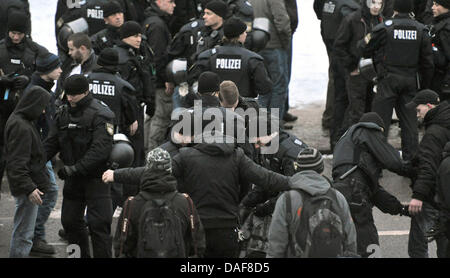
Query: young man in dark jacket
x=47, y=72
x=435, y=116
x=25, y=164
x=359, y=157
x=440, y=38
x=157, y=182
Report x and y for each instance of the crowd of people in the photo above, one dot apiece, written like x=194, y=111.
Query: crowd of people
x=177, y=111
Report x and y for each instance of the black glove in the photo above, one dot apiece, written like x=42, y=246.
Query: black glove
x=405, y=211
x=20, y=82
x=67, y=171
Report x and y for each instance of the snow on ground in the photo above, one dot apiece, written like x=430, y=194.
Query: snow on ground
x=309, y=66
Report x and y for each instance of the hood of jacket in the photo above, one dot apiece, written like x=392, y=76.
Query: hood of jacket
x=156, y=181
x=310, y=181
x=216, y=144
x=32, y=103
x=439, y=115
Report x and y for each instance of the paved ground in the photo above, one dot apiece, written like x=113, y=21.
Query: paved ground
x=393, y=230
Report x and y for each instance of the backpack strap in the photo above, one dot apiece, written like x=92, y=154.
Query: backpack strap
x=192, y=223
x=125, y=223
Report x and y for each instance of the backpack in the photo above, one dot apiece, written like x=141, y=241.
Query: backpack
x=319, y=232
x=160, y=233
x=256, y=231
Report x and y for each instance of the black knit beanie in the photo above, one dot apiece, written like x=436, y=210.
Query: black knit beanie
x=218, y=7
x=443, y=3
x=372, y=117
x=108, y=57
x=46, y=63
x=234, y=27
x=130, y=28
x=111, y=8
x=18, y=22
x=403, y=6
x=208, y=82
x=76, y=84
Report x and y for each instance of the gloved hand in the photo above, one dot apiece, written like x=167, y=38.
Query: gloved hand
x=67, y=171
x=405, y=211
x=20, y=82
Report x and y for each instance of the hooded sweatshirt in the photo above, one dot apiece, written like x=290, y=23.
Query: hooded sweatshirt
x=25, y=155
x=314, y=184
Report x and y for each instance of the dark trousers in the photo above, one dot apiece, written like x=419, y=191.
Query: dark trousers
x=95, y=195
x=221, y=243
x=360, y=95
x=395, y=91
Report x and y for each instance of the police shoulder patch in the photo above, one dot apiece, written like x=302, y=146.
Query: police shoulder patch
x=248, y=3
x=388, y=22
x=194, y=24
x=213, y=51
x=110, y=128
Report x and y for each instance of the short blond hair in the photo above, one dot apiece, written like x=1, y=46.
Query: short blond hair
x=229, y=93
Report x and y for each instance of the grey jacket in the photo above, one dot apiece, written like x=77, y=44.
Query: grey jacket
x=280, y=23
x=314, y=184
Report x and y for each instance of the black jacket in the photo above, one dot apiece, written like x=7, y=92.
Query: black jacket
x=107, y=37
x=159, y=185
x=158, y=38
x=352, y=29
x=443, y=190
x=19, y=58
x=437, y=134
x=25, y=155
x=87, y=145
x=136, y=66
x=440, y=37
x=212, y=175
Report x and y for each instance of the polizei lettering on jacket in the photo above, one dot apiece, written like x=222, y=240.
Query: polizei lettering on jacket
x=96, y=13
x=102, y=88
x=410, y=35
x=228, y=62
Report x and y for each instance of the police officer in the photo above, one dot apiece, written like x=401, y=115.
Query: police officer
x=359, y=157
x=136, y=67
x=83, y=134
x=185, y=11
x=215, y=13
x=108, y=37
x=158, y=38
x=400, y=49
x=106, y=85
x=440, y=37
x=8, y=7
x=231, y=61
x=18, y=52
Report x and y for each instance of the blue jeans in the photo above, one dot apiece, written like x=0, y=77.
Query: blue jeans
x=176, y=98
x=420, y=224
x=277, y=64
x=48, y=203
x=23, y=230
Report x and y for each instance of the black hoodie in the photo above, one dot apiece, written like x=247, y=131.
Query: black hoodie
x=437, y=134
x=25, y=155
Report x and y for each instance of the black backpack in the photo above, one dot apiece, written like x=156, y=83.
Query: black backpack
x=319, y=232
x=160, y=232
